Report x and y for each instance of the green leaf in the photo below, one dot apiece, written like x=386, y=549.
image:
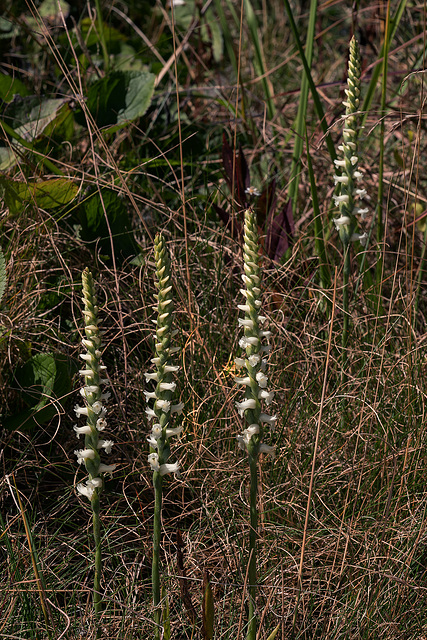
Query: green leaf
x=46, y=194
x=259, y=55
x=9, y=87
x=7, y=158
x=301, y=124
x=49, y=10
x=3, y=278
x=95, y=228
x=120, y=98
x=38, y=377
x=274, y=633
x=212, y=35
x=138, y=260
x=45, y=379
x=8, y=28
x=127, y=59
x=30, y=116
x=28, y=119
x=90, y=37
x=217, y=40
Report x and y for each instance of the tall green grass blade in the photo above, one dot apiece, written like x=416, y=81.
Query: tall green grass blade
x=380, y=212
x=100, y=26
x=233, y=13
x=300, y=124
x=226, y=34
x=166, y=621
x=259, y=58
x=315, y=95
x=394, y=23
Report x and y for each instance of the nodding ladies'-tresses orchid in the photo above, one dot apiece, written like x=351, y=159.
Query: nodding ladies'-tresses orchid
x=94, y=399
x=350, y=195
x=255, y=383
x=163, y=407
x=94, y=413
x=254, y=379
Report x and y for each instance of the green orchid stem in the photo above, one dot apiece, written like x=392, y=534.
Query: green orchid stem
x=345, y=327
x=97, y=537
x=345, y=302
x=252, y=575
x=155, y=572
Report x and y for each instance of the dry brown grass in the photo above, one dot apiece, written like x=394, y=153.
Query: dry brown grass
x=363, y=572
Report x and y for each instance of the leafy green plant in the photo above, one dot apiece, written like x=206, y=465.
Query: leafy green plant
x=118, y=99
x=45, y=194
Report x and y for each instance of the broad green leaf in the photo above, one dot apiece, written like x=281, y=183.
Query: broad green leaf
x=39, y=117
x=120, y=97
x=38, y=378
x=138, y=260
x=44, y=380
x=9, y=87
x=184, y=14
x=95, y=228
x=46, y=194
x=48, y=12
x=30, y=118
x=7, y=158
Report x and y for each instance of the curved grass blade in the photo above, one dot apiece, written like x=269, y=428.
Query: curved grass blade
x=259, y=58
x=300, y=124
x=394, y=23
x=315, y=95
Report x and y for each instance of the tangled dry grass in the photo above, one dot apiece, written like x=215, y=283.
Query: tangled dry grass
x=362, y=573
